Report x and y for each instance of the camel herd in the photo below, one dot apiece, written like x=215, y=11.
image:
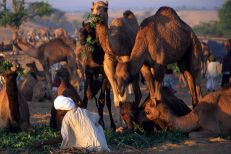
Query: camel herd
x=110, y=58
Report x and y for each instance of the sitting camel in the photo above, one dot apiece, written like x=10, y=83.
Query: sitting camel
x=32, y=88
x=210, y=117
x=65, y=85
x=131, y=114
x=163, y=39
x=14, y=111
x=48, y=54
x=92, y=62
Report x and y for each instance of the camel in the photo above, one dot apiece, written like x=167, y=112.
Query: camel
x=65, y=86
x=92, y=63
x=164, y=39
x=209, y=118
x=14, y=111
x=117, y=42
x=49, y=53
x=131, y=113
x=33, y=68
x=60, y=33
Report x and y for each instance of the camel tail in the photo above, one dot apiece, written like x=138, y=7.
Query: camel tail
x=187, y=123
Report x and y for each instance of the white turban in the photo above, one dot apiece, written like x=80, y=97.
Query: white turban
x=64, y=103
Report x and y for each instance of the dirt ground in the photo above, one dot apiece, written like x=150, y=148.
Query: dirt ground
x=40, y=114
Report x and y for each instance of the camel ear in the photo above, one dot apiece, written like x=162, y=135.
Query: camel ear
x=106, y=2
x=93, y=3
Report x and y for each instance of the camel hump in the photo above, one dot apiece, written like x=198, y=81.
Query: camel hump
x=128, y=14
x=162, y=13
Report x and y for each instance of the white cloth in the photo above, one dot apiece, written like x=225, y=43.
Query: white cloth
x=80, y=128
x=64, y=103
x=212, y=69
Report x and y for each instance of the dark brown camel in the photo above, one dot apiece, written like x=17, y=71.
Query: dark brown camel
x=131, y=114
x=210, y=117
x=33, y=68
x=49, y=53
x=164, y=39
x=65, y=88
x=14, y=111
x=92, y=62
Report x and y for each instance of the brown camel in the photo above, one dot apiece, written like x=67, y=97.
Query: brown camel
x=65, y=88
x=210, y=117
x=164, y=39
x=91, y=59
x=131, y=114
x=117, y=42
x=60, y=33
x=50, y=53
x=14, y=111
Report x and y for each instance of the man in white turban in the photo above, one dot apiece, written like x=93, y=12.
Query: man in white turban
x=80, y=128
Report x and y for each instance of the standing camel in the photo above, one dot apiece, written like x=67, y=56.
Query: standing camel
x=50, y=53
x=164, y=39
x=91, y=58
x=117, y=42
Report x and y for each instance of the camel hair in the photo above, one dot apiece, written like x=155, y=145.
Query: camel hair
x=164, y=39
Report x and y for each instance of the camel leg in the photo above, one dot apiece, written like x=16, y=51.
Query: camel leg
x=109, y=69
x=136, y=90
x=100, y=105
x=48, y=79
x=147, y=74
x=108, y=103
x=159, y=76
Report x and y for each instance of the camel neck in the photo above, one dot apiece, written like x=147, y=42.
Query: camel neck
x=186, y=123
x=28, y=49
x=138, y=53
x=103, y=35
x=12, y=93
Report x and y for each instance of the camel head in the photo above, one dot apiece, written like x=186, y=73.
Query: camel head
x=99, y=10
x=123, y=77
x=150, y=110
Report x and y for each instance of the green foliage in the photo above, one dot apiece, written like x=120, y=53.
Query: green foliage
x=225, y=15
x=174, y=67
x=23, y=140
x=117, y=140
x=5, y=66
x=16, y=18
x=40, y=8
x=94, y=19
x=220, y=28
x=90, y=43
x=13, y=19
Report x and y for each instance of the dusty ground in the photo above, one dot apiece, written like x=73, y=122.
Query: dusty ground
x=40, y=114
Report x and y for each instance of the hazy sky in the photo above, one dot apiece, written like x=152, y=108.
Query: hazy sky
x=75, y=5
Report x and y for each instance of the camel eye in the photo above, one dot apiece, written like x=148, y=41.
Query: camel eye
x=147, y=112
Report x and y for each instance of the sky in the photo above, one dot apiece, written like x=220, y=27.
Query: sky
x=78, y=5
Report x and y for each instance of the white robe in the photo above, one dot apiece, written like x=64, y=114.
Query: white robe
x=80, y=128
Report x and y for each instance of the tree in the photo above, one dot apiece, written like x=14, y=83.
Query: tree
x=20, y=12
x=225, y=17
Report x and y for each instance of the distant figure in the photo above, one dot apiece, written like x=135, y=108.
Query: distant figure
x=169, y=80
x=212, y=74
x=226, y=65
x=204, y=58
